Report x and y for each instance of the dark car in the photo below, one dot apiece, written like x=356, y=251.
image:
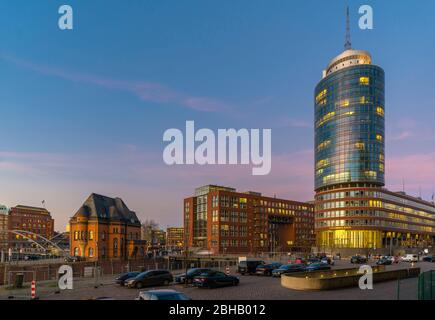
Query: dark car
x=266, y=269
x=164, y=294
x=384, y=262
x=429, y=258
x=327, y=260
x=191, y=273
x=213, y=279
x=317, y=266
x=358, y=259
x=248, y=266
x=288, y=268
x=313, y=260
x=73, y=259
x=125, y=276
x=150, y=278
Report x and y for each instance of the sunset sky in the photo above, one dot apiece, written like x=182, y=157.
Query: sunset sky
x=84, y=111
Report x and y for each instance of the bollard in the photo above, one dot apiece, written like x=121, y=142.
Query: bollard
x=33, y=292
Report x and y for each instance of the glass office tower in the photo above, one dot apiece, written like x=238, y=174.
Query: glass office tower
x=353, y=210
x=349, y=122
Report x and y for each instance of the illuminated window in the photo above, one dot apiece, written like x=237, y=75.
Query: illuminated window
x=343, y=103
x=325, y=118
x=362, y=100
x=321, y=95
x=364, y=81
x=349, y=113
x=91, y=235
x=381, y=167
x=360, y=145
x=371, y=174
x=380, y=111
x=381, y=157
x=323, y=145
x=322, y=163
x=379, y=137
x=319, y=172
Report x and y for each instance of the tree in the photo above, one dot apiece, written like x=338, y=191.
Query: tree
x=147, y=230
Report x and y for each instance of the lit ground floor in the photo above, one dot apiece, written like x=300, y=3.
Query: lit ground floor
x=373, y=241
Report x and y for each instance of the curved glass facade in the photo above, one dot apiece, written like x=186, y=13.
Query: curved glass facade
x=350, y=127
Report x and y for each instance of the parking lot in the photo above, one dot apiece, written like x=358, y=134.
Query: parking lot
x=259, y=288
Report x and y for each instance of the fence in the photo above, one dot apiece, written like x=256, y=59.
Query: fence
x=426, y=285
x=50, y=271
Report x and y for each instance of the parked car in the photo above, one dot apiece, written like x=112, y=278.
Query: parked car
x=162, y=294
x=288, y=268
x=300, y=260
x=213, y=279
x=248, y=266
x=266, y=269
x=327, y=260
x=317, y=266
x=410, y=258
x=358, y=259
x=429, y=259
x=125, y=276
x=384, y=262
x=312, y=260
x=150, y=278
x=73, y=259
x=191, y=273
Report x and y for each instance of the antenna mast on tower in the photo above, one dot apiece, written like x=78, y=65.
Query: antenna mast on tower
x=348, y=43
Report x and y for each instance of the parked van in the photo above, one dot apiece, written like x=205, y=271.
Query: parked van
x=410, y=258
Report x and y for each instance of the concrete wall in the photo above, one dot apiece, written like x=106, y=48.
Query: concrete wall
x=312, y=281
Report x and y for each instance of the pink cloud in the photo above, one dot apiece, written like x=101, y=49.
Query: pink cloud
x=145, y=91
x=417, y=170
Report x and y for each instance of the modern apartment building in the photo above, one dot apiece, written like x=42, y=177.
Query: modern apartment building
x=222, y=220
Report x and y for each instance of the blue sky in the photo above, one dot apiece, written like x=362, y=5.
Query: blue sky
x=85, y=110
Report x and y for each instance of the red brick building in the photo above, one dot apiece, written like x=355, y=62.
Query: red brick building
x=222, y=220
x=32, y=219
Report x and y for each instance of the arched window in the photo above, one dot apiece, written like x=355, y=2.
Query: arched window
x=91, y=252
x=103, y=235
x=76, y=235
x=115, y=247
x=103, y=252
x=76, y=252
x=91, y=235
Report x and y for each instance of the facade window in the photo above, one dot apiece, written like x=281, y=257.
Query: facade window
x=91, y=252
x=91, y=235
x=115, y=247
x=365, y=81
x=76, y=252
